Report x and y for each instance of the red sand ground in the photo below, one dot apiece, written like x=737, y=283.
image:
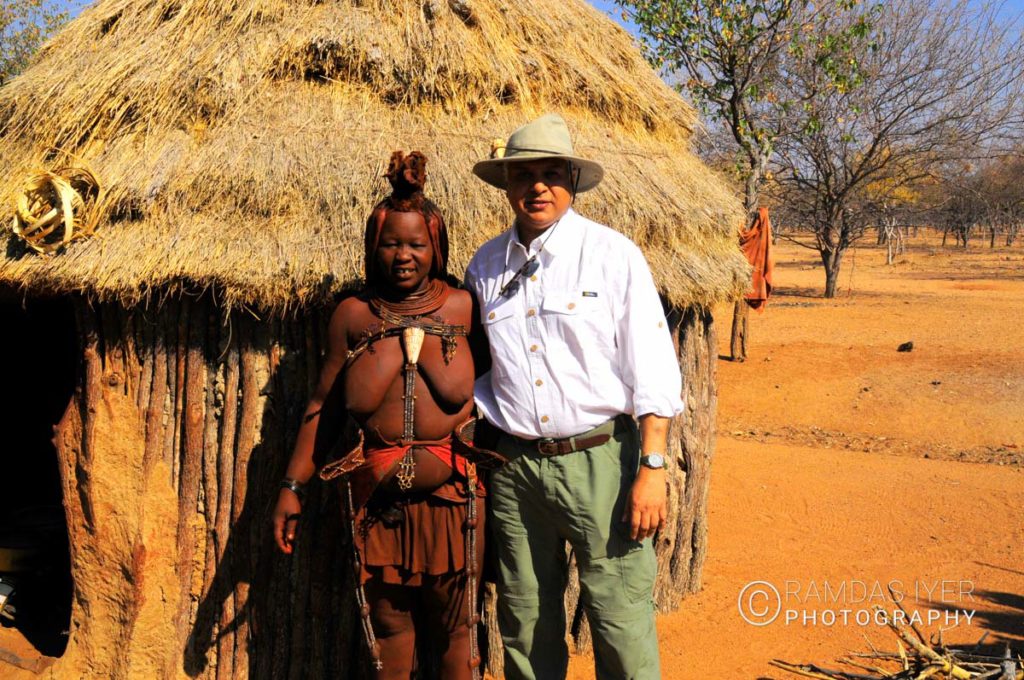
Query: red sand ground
x=840, y=460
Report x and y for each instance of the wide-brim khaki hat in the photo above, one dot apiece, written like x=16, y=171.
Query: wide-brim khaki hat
x=546, y=137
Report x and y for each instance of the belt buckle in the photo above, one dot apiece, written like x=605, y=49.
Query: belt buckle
x=547, y=446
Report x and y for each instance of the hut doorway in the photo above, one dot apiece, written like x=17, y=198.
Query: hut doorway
x=39, y=354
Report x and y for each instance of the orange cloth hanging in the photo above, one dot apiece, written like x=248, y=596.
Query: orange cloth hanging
x=756, y=244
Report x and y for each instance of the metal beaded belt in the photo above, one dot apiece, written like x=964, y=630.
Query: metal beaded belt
x=412, y=343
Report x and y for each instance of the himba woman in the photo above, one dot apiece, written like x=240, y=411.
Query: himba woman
x=399, y=363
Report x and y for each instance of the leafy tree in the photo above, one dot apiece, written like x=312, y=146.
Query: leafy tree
x=733, y=56
x=24, y=25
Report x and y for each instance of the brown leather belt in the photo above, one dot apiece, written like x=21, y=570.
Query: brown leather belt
x=586, y=440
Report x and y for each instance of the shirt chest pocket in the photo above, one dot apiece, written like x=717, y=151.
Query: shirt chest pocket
x=498, y=319
x=578, y=316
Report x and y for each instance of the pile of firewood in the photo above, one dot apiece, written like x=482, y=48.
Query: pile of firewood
x=916, y=659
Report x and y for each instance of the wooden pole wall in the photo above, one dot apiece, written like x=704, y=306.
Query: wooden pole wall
x=192, y=416
x=171, y=452
x=682, y=546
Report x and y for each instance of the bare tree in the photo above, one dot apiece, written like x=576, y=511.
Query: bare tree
x=940, y=80
x=999, y=182
x=984, y=196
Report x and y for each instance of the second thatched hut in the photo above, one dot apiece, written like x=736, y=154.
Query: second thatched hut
x=240, y=146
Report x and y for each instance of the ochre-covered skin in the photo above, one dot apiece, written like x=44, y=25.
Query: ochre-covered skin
x=400, y=564
x=372, y=385
x=374, y=382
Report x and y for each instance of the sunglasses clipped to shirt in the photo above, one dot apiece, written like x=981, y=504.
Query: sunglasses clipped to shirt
x=529, y=268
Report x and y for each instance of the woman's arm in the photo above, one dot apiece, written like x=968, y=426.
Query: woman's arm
x=328, y=395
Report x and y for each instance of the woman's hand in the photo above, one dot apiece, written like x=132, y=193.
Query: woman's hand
x=286, y=520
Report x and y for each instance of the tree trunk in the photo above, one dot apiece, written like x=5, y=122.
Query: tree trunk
x=893, y=239
x=738, y=341
x=832, y=259
x=741, y=312
x=752, y=185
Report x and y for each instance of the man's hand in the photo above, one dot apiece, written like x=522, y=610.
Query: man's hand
x=646, y=504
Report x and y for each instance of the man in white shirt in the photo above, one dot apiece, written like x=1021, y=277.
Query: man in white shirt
x=579, y=344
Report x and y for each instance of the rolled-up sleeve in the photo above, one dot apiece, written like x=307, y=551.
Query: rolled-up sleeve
x=647, y=357
x=469, y=282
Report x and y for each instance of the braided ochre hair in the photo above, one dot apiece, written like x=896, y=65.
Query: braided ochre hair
x=407, y=175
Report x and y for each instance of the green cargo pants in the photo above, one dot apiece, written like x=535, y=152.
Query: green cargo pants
x=537, y=503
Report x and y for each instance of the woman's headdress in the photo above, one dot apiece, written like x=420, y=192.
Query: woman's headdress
x=407, y=175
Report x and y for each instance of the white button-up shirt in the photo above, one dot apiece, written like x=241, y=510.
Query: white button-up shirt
x=582, y=340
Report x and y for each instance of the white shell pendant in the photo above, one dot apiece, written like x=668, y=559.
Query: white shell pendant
x=412, y=343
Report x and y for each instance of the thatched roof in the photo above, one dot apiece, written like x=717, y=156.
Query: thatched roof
x=242, y=143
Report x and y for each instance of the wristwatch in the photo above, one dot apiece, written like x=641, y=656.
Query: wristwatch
x=654, y=461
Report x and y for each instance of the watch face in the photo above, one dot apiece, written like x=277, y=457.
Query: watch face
x=654, y=460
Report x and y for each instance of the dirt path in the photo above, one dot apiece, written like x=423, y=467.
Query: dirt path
x=808, y=517
x=821, y=370
x=840, y=463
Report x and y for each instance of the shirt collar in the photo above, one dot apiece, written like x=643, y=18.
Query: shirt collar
x=554, y=242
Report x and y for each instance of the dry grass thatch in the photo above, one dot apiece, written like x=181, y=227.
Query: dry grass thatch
x=241, y=143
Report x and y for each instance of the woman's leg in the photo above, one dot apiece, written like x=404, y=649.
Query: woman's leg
x=444, y=619
x=446, y=612
x=391, y=612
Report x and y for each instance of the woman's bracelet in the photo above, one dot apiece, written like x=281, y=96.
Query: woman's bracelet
x=295, y=486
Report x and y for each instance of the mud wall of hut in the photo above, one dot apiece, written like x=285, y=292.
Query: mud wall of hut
x=171, y=450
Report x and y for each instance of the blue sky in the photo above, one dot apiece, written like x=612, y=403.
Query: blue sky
x=1011, y=8
x=609, y=7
